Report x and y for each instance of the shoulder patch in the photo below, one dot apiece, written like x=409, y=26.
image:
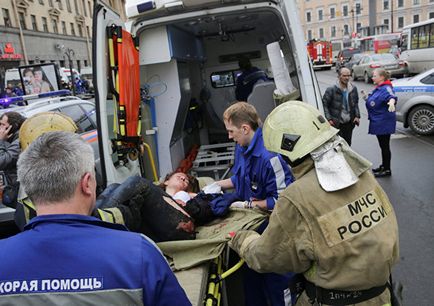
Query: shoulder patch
x=355, y=218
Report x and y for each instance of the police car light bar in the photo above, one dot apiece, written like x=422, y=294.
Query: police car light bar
x=134, y=9
x=6, y=102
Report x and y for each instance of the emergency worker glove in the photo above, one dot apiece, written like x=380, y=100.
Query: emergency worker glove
x=391, y=104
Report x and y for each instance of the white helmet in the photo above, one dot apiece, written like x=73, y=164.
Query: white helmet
x=295, y=129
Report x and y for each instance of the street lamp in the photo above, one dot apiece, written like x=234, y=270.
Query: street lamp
x=69, y=54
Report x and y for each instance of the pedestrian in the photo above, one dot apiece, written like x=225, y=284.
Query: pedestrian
x=334, y=224
x=258, y=178
x=80, y=259
x=380, y=104
x=341, y=105
x=10, y=124
x=247, y=79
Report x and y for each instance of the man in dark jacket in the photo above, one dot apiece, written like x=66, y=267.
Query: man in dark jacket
x=247, y=79
x=341, y=105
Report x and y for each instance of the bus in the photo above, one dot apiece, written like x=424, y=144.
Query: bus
x=381, y=43
x=417, y=46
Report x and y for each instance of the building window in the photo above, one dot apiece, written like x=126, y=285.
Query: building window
x=400, y=22
x=416, y=2
x=385, y=5
x=415, y=18
x=72, y=29
x=34, y=23
x=90, y=8
x=358, y=9
x=84, y=8
x=54, y=23
x=308, y=16
x=400, y=3
x=44, y=24
x=6, y=18
x=333, y=31
x=346, y=29
x=309, y=35
x=64, y=27
x=431, y=15
x=88, y=31
x=358, y=26
x=76, y=8
x=386, y=22
x=332, y=13
x=22, y=20
x=345, y=10
x=80, y=30
x=41, y=2
x=321, y=33
x=320, y=15
x=68, y=5
x=50, y=3
x=60, y=4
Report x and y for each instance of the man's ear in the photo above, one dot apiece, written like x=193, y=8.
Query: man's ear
x=245, y=128
x=86, y=184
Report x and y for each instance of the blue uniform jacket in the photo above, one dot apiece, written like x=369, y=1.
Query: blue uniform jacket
x=258, y=173
x=381, y=121
x=246, y=81
x=85, y=262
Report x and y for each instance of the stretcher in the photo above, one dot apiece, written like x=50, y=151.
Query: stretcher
x=200, y=265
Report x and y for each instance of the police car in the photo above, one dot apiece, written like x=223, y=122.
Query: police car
x=415, y=107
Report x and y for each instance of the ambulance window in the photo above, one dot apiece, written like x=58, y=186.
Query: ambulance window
x=76, y=113
x=429, y=79
x=222, y=79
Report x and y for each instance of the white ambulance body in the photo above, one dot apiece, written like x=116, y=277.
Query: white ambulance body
x=188, y=60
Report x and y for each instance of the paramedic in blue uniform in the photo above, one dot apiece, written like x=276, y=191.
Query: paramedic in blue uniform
x=258, y=178
x=65, y=251
x=247, y=79
x=382, y=117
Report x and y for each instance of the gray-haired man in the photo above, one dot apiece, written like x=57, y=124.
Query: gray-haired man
x=79, y=258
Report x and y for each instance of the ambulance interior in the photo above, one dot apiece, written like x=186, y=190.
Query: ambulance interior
x=190, y=68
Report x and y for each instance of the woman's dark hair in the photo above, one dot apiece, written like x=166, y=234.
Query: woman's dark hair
x=15, y=119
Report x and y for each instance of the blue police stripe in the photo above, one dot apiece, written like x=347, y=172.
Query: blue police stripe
x=413, y=88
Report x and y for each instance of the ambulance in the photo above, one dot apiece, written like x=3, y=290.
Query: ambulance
x=163, y=80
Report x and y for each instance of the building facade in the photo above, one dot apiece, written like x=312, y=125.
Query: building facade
x=44, y=31
x=344, y=20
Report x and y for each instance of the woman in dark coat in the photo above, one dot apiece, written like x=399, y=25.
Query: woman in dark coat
x=380, y=104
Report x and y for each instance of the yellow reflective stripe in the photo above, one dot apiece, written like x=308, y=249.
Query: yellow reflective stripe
x=27, y=208
x=118, y=218
x=105, y=216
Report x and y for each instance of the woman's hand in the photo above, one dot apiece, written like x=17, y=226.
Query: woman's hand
x=4, y=132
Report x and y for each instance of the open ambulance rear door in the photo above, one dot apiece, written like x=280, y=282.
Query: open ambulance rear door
x=117, y=97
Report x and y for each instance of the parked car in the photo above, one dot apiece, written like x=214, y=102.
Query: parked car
x=415, y=107
x=344, y=56
x=369, y=62
x=355, y=59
